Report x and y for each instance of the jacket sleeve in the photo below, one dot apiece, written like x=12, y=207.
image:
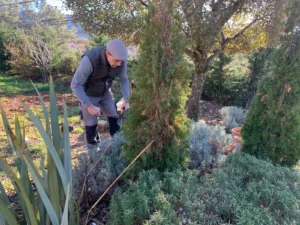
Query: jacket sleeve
x=124, y=84
x=82, y=73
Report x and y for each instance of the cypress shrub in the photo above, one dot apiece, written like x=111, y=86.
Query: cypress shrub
x=259, y=62
x=272, y=126
x=157, y=104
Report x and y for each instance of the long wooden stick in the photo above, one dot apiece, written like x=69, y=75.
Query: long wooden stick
x=86, y=221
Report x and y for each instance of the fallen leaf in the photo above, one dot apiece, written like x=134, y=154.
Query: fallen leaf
x=288, y=87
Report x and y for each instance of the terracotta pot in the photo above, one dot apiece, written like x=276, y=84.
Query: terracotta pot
x=236, y=131
x=237, y=140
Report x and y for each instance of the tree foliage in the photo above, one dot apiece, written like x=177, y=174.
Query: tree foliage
x=157, y=103
x=206, y=30
x=41, y=34
x=259, y=62
x=8, y=18
x=272, y=125
x=115, y=18
x=8, y=35
x=210, y=26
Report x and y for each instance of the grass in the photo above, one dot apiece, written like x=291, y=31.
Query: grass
x=15, y=85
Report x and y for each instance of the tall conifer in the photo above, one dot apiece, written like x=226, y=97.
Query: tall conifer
x=272, y=127
x=157, y=104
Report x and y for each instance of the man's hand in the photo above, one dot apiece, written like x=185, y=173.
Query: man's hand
x=93, y=110
x=125, y=106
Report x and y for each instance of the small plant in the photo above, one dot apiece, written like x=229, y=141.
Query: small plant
x=246, y=190
x=97, y=176
x=51, y=201
x=207, y=145
x=232, y=117
x=155, y=198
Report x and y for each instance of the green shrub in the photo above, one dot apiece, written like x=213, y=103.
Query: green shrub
x=157, y=104
x=4, y=56
x=207, y=145
x=8, y=36
x=155, y=198
x=251, y=191
x=226, y=80
x=234, y=80
x=244, y=190
x=259, y=62
x=214, y=84
x=131, y=69
x=66, y=62
x=272, y=127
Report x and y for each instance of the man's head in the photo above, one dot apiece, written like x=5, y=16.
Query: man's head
x=116, y=53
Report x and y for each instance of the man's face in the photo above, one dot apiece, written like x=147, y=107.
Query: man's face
x=113, y=62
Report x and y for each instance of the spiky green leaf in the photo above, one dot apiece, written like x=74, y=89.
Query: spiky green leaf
x=20, y=188
x=7, y=214
x=50, y=146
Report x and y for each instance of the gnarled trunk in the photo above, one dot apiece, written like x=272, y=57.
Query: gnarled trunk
x=193, y=104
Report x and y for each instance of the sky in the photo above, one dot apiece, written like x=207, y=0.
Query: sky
x=59, y=5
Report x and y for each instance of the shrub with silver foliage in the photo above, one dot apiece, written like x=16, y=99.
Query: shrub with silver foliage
x=207, y=145
x=232, y=117
x=104, y=173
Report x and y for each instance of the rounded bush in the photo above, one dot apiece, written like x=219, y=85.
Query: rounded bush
x=244, y=190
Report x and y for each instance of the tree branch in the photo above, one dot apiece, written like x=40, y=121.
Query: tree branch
x=190, y=53
x=225, y=41
x=143, y=3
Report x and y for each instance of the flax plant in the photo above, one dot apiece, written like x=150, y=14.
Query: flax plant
x=51, y=202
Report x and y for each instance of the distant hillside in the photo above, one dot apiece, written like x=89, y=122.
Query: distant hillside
x=79, y=31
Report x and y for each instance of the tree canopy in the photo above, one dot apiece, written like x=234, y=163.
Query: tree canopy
x=209, y=27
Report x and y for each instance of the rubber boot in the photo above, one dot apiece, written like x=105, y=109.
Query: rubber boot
x=113, y=125
x=91, y=133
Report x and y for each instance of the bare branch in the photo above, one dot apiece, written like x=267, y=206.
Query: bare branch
x=143, y=3
x=225, y=41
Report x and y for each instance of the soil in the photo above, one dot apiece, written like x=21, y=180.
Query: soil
x=14, y=103
x=210, y=112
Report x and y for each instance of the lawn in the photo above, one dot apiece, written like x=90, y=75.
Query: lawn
x=15, y=85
